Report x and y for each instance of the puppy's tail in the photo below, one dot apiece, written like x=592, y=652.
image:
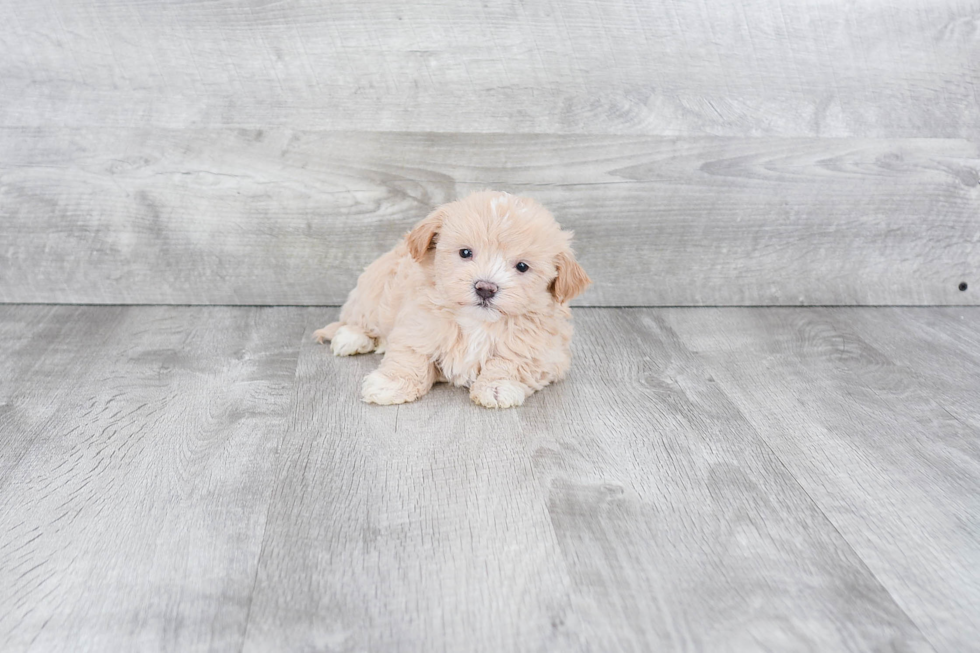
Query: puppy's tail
x=327, y=332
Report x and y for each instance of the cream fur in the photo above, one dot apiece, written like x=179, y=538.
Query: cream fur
x=349, y=340
x=418, y=305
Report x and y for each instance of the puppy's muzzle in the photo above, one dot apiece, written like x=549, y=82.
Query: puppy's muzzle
x=485, y=290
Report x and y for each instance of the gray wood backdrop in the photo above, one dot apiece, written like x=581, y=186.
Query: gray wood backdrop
x=761, y=152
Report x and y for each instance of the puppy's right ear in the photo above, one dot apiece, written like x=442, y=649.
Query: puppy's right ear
x=423, y=236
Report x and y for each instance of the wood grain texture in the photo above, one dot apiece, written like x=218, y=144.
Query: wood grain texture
x=938, y=348
x=417, y=528
x=788, y=68
x=136, y=450
x=285, y=217
x=857, y=407
x=192, y=478
x=629, y=508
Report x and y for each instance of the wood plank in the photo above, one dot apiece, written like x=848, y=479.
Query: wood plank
x=421, y=527
x=870, y=439
x=281, y=217
x=134, y=472
x=630, y=507
x=789, y=68
x=938, y=347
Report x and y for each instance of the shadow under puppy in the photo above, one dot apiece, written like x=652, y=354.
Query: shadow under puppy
x=476, y=294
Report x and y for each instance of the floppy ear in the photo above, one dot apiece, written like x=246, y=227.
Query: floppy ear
x=423, y=236
x=571, y=280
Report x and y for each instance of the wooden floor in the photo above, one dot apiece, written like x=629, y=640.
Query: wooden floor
x=744, y=479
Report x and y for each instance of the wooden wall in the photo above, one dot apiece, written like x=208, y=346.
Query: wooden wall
x=794, y=152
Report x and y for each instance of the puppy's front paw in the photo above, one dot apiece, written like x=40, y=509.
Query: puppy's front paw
x=348, y=341
x=380, y=389
x=502, y=393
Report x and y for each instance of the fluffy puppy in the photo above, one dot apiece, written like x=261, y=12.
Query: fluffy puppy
x=476, y=294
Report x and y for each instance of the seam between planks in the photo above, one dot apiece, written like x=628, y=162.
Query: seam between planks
x=275, y=485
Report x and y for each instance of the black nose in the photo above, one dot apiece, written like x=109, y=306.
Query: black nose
x=485, y=289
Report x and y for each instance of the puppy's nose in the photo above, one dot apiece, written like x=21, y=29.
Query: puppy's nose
x=485, y=289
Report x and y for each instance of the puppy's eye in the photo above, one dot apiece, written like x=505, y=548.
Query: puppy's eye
x=522, y=267
x=465, y=253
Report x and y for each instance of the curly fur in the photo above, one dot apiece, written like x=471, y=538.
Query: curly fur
x=418, y=304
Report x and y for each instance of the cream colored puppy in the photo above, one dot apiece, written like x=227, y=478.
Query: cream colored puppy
x=477, y=294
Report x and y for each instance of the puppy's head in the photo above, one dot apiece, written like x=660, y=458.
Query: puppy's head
x=496, y=254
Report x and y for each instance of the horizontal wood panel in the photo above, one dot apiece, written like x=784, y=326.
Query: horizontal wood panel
x=228, y=216
x=774, y=68
x=280, y=217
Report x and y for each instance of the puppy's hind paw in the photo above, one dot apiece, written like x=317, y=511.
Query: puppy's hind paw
x=349, y=341
x=380, y=389
x=327, y=333
x=502, y=393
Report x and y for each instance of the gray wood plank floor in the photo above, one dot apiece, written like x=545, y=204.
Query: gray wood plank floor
x=136, y=452
x=204, y=478
x=875, y=415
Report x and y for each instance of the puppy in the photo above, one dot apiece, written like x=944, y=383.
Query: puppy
x=476, y=294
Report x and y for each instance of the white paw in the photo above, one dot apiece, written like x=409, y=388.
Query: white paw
x=347, y=342
x=379, y=389
x=498, y=394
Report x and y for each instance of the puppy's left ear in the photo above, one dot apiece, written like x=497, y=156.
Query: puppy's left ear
x=423, y=236
x=571, y=280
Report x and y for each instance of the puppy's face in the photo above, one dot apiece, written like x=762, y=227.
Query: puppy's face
x=496, y=254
